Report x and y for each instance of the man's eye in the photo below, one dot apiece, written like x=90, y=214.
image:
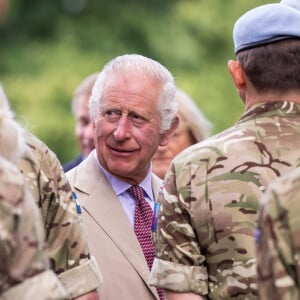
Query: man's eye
x=84, y=121
x=112, y=115
x=136, y=119
x=134, y=116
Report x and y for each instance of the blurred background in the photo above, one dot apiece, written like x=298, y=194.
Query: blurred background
x=48, y=46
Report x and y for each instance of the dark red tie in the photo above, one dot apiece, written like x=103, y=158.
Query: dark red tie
x=143, y=215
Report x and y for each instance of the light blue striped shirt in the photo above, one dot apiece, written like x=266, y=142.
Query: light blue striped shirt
x=121, y=189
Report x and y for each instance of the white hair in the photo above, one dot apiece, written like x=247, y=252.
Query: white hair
x=12, y=143
x=147, y=68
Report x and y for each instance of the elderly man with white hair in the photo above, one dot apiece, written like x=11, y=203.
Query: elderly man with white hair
x=133, y=110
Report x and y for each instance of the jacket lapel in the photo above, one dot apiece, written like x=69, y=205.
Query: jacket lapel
x=100, y=202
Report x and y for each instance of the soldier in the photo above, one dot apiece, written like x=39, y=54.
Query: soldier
x=278, y=242
x=205, y=244
x=24, y=268
x=69, y=255
x=67, y=247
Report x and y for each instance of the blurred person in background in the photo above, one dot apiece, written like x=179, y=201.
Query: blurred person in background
x=205, y=241
x=24, y=269
x=68, y=251
x=83, y=123
x=133, y=110
x=4, y=4
x=193, y=127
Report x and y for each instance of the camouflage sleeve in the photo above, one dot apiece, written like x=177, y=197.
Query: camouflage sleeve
x=69, y=254
x=24, y=268
x=278, y=242
x=20, y=231
x=67, y=242
x=178, y=265
x=46, y=285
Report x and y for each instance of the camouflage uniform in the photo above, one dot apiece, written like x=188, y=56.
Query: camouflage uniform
x=24, y=267
x=205, y=237
x=68, y=251
x=278, y=240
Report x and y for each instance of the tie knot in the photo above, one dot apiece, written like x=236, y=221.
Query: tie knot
x=137, y=192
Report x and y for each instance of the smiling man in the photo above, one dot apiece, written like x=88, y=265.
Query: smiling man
x=133, y=110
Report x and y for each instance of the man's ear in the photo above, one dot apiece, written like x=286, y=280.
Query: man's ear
x=166, y=136
x=237, y=74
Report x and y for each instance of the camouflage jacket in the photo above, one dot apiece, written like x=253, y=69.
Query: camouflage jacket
x=66, y=241
x=205, y=236
x=24, y=267
x=278, y=240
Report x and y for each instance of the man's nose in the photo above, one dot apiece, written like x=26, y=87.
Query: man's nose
x=122, y=129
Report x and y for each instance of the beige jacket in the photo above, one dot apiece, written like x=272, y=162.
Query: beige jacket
x=110, y=236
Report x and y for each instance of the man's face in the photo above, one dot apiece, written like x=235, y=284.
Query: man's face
x=83, y=128
x=127, y=130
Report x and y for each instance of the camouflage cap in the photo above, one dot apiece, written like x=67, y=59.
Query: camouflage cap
x=266, y=24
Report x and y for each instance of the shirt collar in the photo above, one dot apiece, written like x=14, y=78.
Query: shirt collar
x=120, y=186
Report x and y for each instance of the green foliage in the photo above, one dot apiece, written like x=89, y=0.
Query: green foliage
x=48, y=47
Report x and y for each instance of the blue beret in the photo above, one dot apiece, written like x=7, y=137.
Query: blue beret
x=292, y=3
x=267, y=24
